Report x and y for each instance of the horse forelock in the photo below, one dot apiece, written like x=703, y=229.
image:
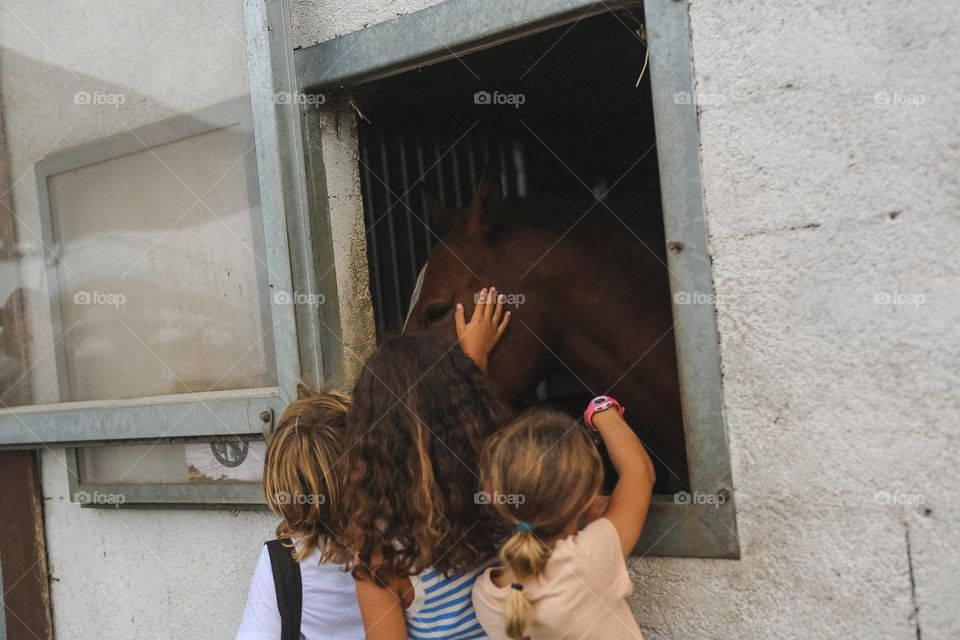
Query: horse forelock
x=415, y=296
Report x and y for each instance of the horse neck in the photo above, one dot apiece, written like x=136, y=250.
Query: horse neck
x=604, y=325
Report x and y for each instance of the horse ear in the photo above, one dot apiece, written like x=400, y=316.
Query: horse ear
x=438, y=215
x=486, y=200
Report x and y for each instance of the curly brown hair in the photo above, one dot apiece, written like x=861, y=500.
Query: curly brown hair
x=421, y=413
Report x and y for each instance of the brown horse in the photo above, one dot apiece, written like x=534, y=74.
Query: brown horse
x=589, y=297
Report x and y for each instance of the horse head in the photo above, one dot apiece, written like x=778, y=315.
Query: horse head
x=477, y=250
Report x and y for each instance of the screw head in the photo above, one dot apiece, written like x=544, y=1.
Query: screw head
x=266, y=415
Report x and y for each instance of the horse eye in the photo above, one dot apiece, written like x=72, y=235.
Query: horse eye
x=438, y=313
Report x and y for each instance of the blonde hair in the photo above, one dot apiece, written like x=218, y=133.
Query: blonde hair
x=299, y=477
x=542, y=470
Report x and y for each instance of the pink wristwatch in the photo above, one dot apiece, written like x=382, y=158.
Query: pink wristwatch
x=598, y=404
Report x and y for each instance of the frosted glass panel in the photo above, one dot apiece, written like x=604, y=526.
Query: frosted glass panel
x=158, y=271
x=131, y=249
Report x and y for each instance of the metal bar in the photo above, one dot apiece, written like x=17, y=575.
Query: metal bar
x=235, y=412
x=688, y=530
x=391, y=232
x=280, y=159
x=441, y=188
x=405, y=181
x=502, y=160
x=458, y=192
x=198, y=494
x=520, y=169
x=428, y=245
x=697, y=342
x=443, y=31
x=471, y=162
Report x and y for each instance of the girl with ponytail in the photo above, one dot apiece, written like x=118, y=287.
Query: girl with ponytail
x=560, y=579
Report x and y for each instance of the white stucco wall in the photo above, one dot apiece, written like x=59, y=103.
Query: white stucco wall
x=818, y=198
x=152, y=574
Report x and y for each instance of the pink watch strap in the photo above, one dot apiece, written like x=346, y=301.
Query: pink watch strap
x=600, y=403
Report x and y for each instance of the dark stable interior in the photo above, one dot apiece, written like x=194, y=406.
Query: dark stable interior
x=584, y=125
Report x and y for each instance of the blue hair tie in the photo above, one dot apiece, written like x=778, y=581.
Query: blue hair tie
x=523, y=527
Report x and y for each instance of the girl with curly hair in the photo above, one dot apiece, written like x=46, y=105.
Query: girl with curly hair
x=415, y=525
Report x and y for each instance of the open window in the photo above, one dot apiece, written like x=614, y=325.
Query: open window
x=563, y=99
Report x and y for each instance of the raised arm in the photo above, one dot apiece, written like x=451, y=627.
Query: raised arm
x=630, y=499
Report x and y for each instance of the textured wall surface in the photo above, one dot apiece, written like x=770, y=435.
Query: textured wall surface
x=830, y=138
x=172, y=574
x=319, y=20
x=830, y=135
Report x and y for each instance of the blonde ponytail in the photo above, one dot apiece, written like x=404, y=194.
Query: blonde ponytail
x=526, y=557
x=550, y=468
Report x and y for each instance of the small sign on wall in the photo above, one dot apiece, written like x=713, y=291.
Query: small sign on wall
x=238, y=461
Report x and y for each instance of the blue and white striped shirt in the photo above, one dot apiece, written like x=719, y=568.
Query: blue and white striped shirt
x=442, y=607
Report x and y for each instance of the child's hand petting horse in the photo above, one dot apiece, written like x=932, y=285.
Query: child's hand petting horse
x=486, y=327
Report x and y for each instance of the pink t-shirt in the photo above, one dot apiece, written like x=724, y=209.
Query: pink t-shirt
x=580, y=595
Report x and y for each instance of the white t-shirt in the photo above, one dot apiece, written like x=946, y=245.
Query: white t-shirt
x=330, y=609
x=579, y=596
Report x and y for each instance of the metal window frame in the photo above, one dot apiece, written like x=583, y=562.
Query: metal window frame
x=296, y=333
x=458, y=27
x=276, y=119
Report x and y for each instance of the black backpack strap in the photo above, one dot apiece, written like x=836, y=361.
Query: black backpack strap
x=286, y=579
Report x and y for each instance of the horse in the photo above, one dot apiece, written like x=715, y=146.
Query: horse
x=587, y=297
